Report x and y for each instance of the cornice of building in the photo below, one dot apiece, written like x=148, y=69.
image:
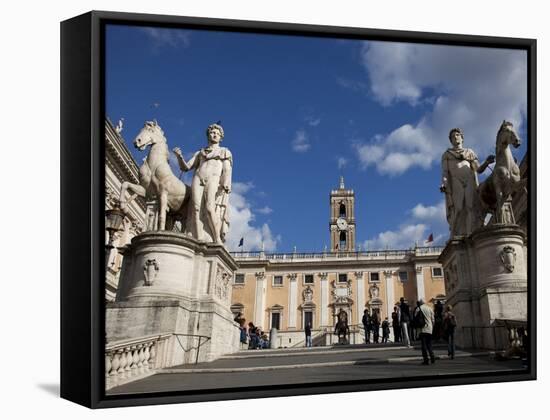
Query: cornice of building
x=117, y=152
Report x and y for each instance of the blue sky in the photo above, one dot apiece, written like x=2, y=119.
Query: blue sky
x=298, y=112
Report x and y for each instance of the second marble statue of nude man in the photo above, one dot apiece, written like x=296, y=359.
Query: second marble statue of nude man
x=210, y=188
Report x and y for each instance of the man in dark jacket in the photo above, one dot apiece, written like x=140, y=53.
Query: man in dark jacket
x=404, y=321
x=375, y=322
x=395, y=325
x=366, y=324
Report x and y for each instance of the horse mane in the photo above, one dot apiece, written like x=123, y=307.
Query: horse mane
x=505, y=124
x=155, y=126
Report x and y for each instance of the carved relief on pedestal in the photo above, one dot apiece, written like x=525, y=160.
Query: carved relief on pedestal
x=508, y=257
x=451, y=279
x=221, y=286
x=150, y=271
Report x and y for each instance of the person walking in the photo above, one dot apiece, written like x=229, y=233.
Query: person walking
x=385, y=330
x=424, y=322
x=308, y=335
x=438, y=325
x=366, y=320
x=395, y=325
x=404, y=321
x=449, y=326
x=375, y=323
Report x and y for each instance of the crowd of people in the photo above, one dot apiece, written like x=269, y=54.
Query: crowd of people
x=251, y=337
x=423, y=323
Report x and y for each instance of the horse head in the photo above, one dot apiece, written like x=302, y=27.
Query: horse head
x=507, y=135
x=150, y=134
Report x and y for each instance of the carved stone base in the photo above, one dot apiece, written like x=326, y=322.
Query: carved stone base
x=173, y=284
x=501, y=259
x=486, y=280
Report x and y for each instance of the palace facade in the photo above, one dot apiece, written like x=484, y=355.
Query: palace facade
x=288, y=290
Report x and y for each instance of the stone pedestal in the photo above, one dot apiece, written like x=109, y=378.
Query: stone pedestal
x=171, y=283
x=486, y=281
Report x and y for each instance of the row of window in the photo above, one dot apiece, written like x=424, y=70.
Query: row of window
x=342, y=277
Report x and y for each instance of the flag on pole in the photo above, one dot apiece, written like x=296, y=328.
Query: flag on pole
x=241, y=242
x=430, y=238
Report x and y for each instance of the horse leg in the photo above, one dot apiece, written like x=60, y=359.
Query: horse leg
x=135, y=191
x=163, y=209
x=500, y=203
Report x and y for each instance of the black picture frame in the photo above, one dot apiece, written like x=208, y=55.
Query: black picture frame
x=82, y=211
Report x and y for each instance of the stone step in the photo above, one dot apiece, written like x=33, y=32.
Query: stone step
x=303, y=365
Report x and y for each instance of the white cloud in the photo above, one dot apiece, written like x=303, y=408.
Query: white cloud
x=342, y=162
x=242, y=187
x=471, y=88
x=300, y=143
x=174, y=38
x=369, y=154
x=423, y=220
x=403, y=238
x=265, y=210
x=242, y=223
x=436, y=213
x=314, y=122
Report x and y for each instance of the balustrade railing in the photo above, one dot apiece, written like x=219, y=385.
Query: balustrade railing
x=505, y=336
x=128, y=360
x=293, y=256
x=516, y=332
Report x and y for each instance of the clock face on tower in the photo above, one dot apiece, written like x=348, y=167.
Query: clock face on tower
x=342, y=224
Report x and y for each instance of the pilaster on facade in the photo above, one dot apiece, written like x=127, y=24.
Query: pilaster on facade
x=259, y=302
x=324, y=299
x=360, y=301
x=420, y=290
x=292, y=300
x=390, y=293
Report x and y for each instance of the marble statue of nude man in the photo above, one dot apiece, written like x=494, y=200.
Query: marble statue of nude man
x=460, y=167
x=210, y=187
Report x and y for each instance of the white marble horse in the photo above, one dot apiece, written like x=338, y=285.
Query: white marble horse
x=495, y=192
x=156, y=178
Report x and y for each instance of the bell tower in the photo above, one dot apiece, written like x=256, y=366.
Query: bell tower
x=342, y=219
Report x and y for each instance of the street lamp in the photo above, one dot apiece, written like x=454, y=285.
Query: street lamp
x=113, y=222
